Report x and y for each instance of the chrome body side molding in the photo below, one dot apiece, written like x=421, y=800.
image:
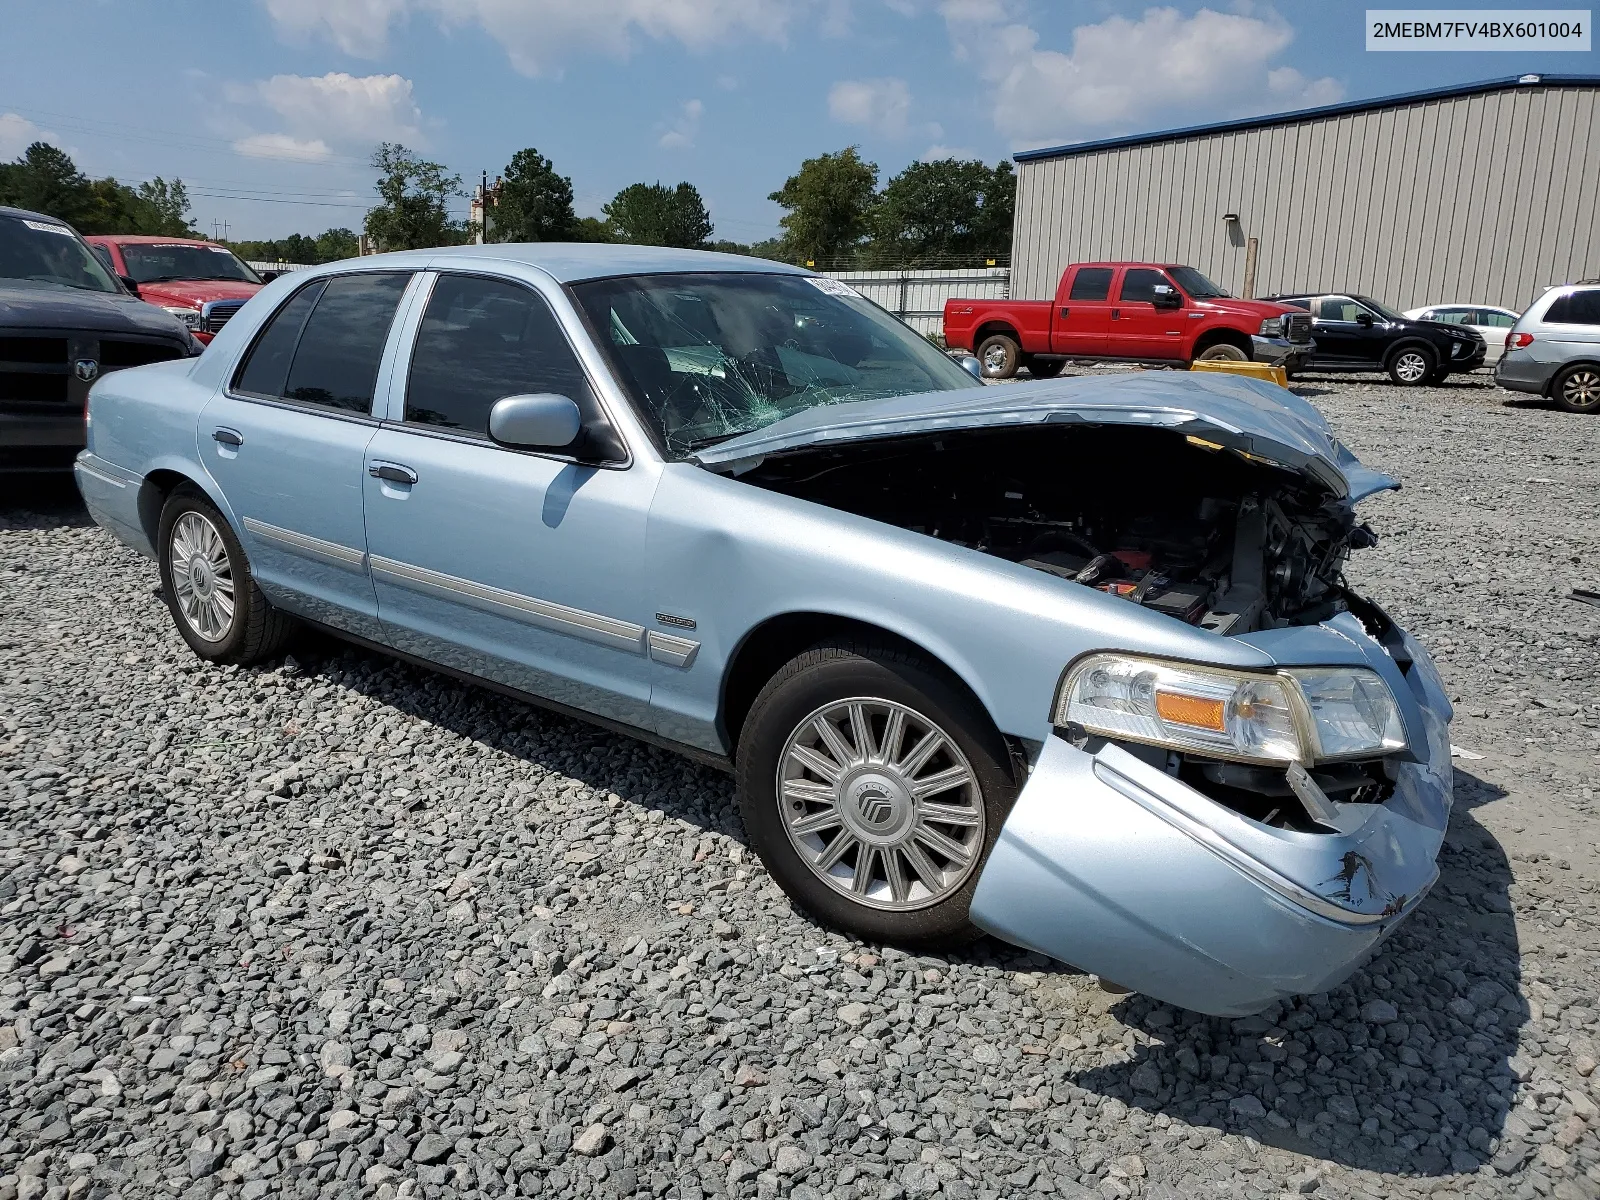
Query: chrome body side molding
x=313, y=547
x=673, y=651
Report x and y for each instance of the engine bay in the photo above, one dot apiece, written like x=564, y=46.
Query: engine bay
x=1210, y=536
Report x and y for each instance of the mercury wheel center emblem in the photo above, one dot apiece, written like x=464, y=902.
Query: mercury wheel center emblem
x=875, y=805
x=86, y=369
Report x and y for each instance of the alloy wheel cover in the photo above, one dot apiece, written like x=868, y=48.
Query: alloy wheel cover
x=201, y=577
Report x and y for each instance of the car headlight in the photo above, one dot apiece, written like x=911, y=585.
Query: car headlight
x=189, y=316
x=1302, y=715
x=1272, y=327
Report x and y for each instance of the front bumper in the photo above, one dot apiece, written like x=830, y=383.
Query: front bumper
x=1291, y=356
x=1520, y=371
x=40, y=438
x=1113, y=865
x=1466, y=356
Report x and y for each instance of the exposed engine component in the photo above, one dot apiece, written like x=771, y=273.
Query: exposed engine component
x=1225, y=541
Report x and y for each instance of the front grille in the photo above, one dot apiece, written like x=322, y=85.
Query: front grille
x=134, y=354
x=218, y=313
x=32, y=350
x=1297, y=327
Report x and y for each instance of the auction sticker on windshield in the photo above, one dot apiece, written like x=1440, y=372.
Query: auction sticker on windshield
x=47, y=227
x=832, y=287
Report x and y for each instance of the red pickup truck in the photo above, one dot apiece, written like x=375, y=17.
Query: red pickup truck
x=1137, y=312
x=199, y=282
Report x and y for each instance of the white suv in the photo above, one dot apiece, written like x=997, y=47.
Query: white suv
x=1554, y=348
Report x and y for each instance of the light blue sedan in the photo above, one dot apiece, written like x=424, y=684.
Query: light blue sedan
x=1070, y=662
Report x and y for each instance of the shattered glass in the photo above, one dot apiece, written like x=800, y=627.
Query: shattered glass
x=706, y=357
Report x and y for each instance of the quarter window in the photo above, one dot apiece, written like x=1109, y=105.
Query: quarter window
x=1139, y=285
x=1575, y=308
x=480, y=341
x=266, y=370
x=1091, y=283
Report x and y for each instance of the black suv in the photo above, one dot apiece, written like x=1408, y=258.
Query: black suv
x=1357, y=333
x=64, y=321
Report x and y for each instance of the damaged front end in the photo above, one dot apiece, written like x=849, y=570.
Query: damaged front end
x=1218, y=838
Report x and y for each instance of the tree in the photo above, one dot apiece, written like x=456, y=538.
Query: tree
x=830, y=201
x=533, y=203
x=45, y=179
x=329, y=246
x=652, y=214
x=943, y=210
x=592, y=229
x=415, y=211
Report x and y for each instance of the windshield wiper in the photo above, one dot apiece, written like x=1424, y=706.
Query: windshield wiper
x=712, y=439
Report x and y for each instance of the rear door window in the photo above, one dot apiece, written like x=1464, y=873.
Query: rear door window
x=480, y=341
x=1499, y=320
x=1091, y=283
x=323, y=347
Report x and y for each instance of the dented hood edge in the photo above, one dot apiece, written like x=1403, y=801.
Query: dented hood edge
x=1246, y=415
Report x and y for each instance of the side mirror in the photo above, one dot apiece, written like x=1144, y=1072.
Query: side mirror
x=1364, y=320
x=972, y=367
x=1166, y=297
x=129, y=282
x=269, y=276
x=543, y=421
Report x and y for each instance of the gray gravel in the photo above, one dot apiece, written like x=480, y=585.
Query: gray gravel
x=346, y=927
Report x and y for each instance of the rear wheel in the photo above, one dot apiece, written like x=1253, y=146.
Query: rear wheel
x=1577, y=389
x=1223, y=352
x=1411, y=365
x=1045, y=368
x=873, y=789
x=1000, y=356
x=206, y=581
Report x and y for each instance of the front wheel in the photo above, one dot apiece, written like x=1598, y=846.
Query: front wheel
x=1577, y=389
x=1223, y=352
x=873, y=788
x=1000, y=356
x=1411, y=365
x=206, y=580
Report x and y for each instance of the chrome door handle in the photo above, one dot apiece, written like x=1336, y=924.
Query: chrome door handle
x=392, y=473
x=228, y=437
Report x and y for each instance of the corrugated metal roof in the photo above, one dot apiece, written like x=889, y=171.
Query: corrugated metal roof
x=1310, y=114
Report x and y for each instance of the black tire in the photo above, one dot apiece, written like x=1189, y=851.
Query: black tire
x=1577, y=389
x=1438, y=377
x=1411, y=364
x=839, y=673
x=255, y=630
x=1045, y=368
x=999, y=355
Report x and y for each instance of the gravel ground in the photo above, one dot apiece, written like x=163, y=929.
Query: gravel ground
x=345, y=927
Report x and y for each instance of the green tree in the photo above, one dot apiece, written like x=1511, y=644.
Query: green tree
x=592, y=229
x=46, y=180
x=652, y=214
x=533, y=203
x=415, y=211
x=830, y=201
x=165, y=208
x=333, y=244
x=943, y=210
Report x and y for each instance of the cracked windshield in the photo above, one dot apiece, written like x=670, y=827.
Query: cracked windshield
x=708, y=357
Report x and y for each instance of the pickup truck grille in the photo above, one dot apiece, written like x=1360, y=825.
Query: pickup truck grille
x=1297, y=327
x=38, y=368
x=217, y=313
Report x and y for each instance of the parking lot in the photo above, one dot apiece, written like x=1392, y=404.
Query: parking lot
x=346, y=926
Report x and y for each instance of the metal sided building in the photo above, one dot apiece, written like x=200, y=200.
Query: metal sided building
x=1483, y=193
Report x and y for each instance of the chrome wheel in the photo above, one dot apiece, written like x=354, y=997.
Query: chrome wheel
x=201, y=576
x=881, y=804
x=1581, y=388
x=1410, y=366
x=994, y=359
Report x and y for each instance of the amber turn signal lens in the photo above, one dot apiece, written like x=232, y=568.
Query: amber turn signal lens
x=1190, y=710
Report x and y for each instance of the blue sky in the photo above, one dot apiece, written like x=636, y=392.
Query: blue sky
x=269, y=109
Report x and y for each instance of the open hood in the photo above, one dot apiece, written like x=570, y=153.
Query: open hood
x=1247, y=415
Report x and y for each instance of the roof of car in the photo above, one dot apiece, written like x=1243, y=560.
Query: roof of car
x=568, y=262
x=134, y=239
x=29, y=215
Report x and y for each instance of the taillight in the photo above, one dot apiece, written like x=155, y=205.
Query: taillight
x=1516, y=341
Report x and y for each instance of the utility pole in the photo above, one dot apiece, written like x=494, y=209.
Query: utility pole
x=483, y=208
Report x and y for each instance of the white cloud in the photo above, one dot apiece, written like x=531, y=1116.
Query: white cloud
x=17, y=133
x=539, y=34
x=344, y=108
x=882, y=105
x=1125, y=74
x=685, y=127
x=282, y=146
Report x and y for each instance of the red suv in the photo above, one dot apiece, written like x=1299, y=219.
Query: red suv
x=199, y=282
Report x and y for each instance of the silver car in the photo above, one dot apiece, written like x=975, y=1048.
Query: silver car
x=1071, y=662
x=1554, y=348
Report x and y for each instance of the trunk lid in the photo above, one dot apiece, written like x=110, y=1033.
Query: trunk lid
x=1246, y=415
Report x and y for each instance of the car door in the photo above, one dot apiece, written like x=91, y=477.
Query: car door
x=519, y=567
x=1081, y=322
x=1342, y=340
x=286, y=441
x=1138, y=328
x=1493, y=324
